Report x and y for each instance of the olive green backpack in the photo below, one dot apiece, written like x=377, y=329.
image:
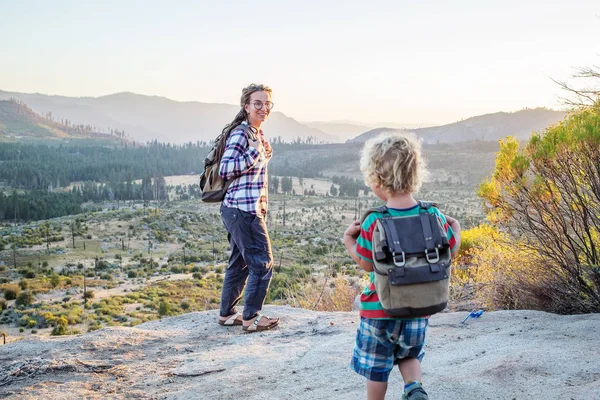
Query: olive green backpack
x=412, y=262
x=212, y=186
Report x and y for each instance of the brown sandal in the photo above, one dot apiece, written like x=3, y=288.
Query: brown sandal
x=232, y=320
x=255, y=327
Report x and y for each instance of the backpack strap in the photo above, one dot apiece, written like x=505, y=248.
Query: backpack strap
x=397, y=253
x=431, y=251
x=251, y=131
x=427, y=204
x=381, y=209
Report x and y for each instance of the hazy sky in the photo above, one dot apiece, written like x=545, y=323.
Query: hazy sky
x=375, y=61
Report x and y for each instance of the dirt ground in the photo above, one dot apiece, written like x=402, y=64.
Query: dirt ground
x=501, y=355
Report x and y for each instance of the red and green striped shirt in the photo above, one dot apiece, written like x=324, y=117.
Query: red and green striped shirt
x=370, y=307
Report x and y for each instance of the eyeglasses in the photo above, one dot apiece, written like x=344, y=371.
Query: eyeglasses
x=259, y=105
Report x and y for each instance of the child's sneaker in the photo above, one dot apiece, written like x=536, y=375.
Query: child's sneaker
x=416, y=393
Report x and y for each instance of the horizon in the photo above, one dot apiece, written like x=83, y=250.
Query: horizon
x=368, y=125
x=397, y=62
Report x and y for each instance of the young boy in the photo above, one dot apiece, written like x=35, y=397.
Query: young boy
x=393, y=168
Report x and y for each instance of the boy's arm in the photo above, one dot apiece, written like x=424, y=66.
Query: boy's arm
x=350, y=242
x=455, y=225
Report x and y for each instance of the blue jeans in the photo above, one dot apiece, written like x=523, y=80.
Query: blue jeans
x=250, y=263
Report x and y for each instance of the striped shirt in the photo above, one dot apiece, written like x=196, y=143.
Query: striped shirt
x=370, y=307
x=247, y=168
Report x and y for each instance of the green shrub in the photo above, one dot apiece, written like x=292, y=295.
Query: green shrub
x=24, y=299
x=11, y=292
x=23, y=284
x=185, y=305
x=54, y=280
x=164, y=308
x=89, y=294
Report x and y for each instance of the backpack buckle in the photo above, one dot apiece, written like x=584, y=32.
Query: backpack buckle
x=399, y=263
x=432, y=260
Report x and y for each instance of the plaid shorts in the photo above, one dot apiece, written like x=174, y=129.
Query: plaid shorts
x=382, y=343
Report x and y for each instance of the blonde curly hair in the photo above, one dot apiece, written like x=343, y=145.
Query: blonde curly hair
x=393, y=161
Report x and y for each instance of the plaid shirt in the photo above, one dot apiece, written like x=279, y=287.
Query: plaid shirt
x=247, y=167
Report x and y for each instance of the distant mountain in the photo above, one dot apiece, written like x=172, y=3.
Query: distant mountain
x=17, y=120
x=146, y=118
x=342, y=130
x=488, y=127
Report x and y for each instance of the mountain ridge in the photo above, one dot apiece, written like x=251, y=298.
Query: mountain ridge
x=17, y=120
x=147, y=118
x=486, y=127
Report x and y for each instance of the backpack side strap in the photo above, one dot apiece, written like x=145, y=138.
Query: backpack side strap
x=381, y=209
x=426, y=204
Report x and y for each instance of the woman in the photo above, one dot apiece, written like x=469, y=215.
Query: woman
x=243, y=212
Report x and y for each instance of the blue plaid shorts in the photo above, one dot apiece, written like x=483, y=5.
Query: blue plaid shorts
x=382, y=343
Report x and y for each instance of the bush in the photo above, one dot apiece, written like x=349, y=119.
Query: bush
x=185, y=305
x=61, y=326
x=11, y=292
x=89, y=294
x=23, y=284
x=3, y=305
x=546, y=194
x=29, y=274
x=54, y=280
x=24, y=299
x=164, y=308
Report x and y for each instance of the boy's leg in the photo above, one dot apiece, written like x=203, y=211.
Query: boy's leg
x=376, y=390
x=373, y=355
x=410, y=369
x=410, y=354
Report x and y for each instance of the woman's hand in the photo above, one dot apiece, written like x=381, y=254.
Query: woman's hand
x=268, y=149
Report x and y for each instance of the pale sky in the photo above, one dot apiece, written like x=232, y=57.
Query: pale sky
x=373, y=61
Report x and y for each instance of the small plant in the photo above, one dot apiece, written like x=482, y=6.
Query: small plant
x=54, y=280
x=11, y=292
x=164, y=308
x=61, y=327
x=185, y=305
x=24, y=299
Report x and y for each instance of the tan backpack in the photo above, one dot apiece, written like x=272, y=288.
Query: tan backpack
x=213, y=187
x=412, y=263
